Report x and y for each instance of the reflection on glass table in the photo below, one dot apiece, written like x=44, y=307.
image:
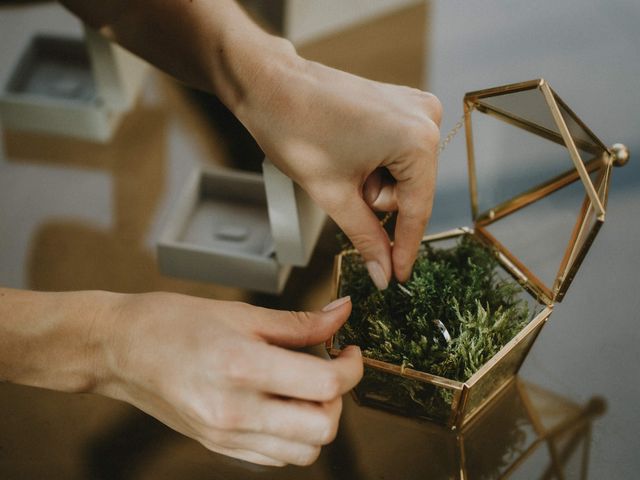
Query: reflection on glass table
x=526, y=432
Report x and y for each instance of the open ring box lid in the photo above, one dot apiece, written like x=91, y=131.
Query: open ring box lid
x=539, y=180
x=71, y=86
x=240, y=229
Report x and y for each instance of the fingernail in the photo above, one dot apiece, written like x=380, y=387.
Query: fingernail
x=377, y=275
x=356, y=347
x=336, y=303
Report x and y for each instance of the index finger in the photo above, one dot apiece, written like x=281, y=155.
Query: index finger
x=301, y=375
x=410, y=226
x=415, y=194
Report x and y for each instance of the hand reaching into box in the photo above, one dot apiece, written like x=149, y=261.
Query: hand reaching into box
x=355, y=146
x=215, y=371
x=338, y=135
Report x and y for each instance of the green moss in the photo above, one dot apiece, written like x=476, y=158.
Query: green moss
x=459, y=286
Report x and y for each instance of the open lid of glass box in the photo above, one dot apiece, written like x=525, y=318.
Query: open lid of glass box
x=538, y=178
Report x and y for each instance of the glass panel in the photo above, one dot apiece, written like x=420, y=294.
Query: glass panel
x=540, y=234
x=502, y=436
x=583, y=232
x=527, y=106
x=404, y=396
x=506, y=368
x=529, y=109
x=373, y=444
x=513, y=167
x=583, y=138
x=510, y=161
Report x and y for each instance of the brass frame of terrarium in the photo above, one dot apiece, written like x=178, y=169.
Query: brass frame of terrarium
x=595, y=201
x=483, y=386
x=466, y=401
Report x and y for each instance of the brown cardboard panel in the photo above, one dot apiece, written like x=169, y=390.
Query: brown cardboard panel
x=392, y=48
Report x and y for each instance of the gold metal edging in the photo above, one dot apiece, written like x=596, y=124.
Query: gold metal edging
x=486, y=407
x=503, y=89
x=536, y=129
x=475, y=98
x=528, y=280
x=335, y=286
x=471, y=162
x=581, y=239
x=586, y=245
x=580, y=123
x=534, y=324
x=573, y=151
x=534, y=194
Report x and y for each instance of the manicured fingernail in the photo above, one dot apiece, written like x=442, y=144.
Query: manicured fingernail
x=336, y=303
x=356, y=347
x=377, y=275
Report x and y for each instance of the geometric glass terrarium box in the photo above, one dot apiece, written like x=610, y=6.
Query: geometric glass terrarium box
x=441, y=345
x=240, y=229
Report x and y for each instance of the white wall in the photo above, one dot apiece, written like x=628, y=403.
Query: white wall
x=588, y=50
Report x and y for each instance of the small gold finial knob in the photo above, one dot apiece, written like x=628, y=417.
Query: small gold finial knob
x=620, y=154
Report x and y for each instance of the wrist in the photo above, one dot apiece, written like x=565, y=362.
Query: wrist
x=253, y=68
x=53, y=340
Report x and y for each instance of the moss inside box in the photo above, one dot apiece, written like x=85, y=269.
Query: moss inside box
x=464, y=288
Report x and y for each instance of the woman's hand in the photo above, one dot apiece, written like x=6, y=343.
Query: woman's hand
x=221, y=373
x=355, y=146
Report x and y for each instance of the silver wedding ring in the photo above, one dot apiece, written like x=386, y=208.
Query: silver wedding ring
x=443, y=330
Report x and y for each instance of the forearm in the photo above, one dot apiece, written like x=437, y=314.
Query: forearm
x=53, y=340
x=210, y=44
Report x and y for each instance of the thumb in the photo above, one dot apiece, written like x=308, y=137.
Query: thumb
x=300, y=329
x=379, y=191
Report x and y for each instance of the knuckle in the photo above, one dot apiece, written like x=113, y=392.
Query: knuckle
x=434, y=106
x=429, y=103
x=300, y=319
x=416, y=211
x=302, y=323
x=237, y=372
x=335, y=408
x=424, y=137
x=216, y=439
x=235, y=365
x=308, y=456
x=331, y=385
x=365, y=242
x=197, y=416
x=430, y=134
x=226, y=416
x=329, y=430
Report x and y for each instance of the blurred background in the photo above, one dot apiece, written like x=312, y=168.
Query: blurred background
x=76, y=214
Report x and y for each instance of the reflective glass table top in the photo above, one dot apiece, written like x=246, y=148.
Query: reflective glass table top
x=76, y=215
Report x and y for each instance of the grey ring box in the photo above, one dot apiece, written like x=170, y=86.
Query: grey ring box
x=78, y=87
x=240, y=229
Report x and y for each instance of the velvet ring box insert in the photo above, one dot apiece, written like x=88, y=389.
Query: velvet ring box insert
x=71, y=86
x=240, y=229
x=538, y=179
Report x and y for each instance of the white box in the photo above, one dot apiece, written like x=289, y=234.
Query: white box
x=71, y=86
x=240, y=229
